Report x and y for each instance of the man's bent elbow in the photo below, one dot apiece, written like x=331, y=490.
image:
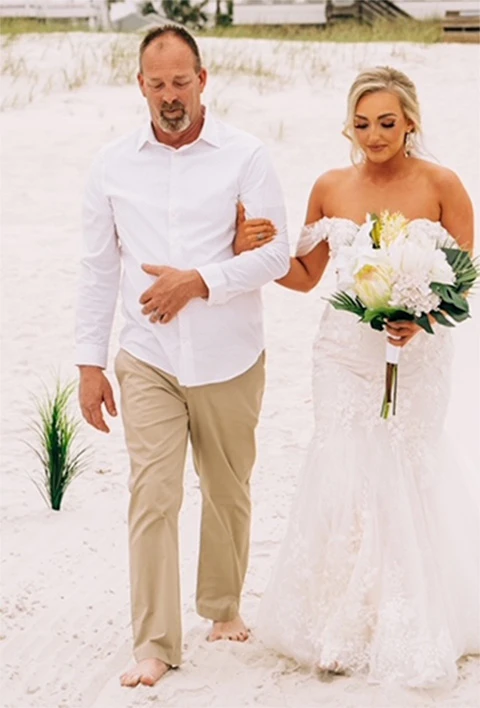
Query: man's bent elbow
x=282, y=265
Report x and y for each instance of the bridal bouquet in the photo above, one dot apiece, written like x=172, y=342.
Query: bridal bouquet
x=390, y=273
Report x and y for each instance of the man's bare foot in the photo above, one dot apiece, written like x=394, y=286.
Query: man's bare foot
x=233, y=630
x=147, y=672
x=334, y=669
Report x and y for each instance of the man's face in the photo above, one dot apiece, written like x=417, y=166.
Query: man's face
x=170, y=82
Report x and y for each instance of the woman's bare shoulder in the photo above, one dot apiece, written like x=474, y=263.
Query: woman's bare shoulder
x=328, y=183
x=442, y=177
x=324, y=190
x=333, y=177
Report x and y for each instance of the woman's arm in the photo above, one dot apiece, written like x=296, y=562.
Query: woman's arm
x=456, y=209
x=306, y=271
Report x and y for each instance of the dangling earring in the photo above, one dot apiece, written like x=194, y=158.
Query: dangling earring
x=408, y=143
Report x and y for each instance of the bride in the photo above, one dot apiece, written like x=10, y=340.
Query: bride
x=378, y=572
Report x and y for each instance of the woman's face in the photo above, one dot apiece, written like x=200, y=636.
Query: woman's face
x=380, y=126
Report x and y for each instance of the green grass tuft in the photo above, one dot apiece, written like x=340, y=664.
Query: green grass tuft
x=56, y=449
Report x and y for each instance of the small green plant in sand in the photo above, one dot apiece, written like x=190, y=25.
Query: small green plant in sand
x=61, y=458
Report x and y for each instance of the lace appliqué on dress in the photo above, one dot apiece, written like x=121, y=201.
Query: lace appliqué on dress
x=311, y=235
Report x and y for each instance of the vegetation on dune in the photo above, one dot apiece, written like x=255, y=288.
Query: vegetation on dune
x=425, y=32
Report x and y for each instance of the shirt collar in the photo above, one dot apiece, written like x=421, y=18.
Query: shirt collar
x=208, y=134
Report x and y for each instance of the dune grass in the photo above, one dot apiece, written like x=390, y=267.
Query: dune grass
x=425, y=32
x=21, y=25
x=66, y=61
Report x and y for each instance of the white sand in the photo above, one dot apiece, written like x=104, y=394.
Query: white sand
x=66, y=634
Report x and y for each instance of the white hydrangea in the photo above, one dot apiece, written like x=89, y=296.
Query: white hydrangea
x=412, y=294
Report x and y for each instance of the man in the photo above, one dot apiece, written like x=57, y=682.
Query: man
x=160, y=206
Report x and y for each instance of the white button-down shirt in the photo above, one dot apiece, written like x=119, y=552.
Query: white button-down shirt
x=146, y=202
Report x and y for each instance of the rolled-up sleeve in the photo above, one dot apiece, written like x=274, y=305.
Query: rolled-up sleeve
x=99, y=273
x=262, y=197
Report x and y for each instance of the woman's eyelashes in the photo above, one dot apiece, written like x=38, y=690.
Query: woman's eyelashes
x=364, y=126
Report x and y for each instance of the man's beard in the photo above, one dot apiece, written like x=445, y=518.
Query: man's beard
x=173, y=125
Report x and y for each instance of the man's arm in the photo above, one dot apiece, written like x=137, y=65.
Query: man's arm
x=97, y=295
x=99, y=274
x=261, y=195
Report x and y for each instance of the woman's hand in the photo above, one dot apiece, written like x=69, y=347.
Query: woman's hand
x=401, y=332
x=252, y=233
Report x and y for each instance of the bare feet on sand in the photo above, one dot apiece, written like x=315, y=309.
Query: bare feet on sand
x=147, y=672
x=332, y=669
x=233, y=630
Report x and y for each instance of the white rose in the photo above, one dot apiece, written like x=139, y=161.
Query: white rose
x=441, y=271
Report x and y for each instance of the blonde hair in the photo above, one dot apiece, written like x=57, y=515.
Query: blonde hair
x=384, y=78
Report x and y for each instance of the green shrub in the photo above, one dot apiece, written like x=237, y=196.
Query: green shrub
x=185, y=13
x=224, y=18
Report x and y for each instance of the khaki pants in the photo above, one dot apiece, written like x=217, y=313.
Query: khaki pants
x=159, y=417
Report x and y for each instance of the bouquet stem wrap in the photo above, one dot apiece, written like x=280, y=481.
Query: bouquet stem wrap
x=392, y=357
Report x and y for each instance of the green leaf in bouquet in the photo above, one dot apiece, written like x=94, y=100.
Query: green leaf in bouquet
x=378, y=318
x=447, y=293
x=343, y=301
x=466, y=269
x=456, y=257
x=401, y=316
x=459, y=260
x=377, y=323
x=459, y=315
x=466, y=280
x=459, y=301
x=384, y=313
x=441, y=319
x=423, y=322
x=462, y=317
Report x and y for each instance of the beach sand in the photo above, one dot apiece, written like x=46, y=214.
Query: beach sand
x=65, y=633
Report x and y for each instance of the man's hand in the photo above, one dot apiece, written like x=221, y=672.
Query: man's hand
x=94, y=391
x=172, y=290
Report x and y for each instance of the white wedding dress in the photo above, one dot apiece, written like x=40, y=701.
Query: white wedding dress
x=379, y=570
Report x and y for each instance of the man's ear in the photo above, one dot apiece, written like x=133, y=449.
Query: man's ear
x=141, y=83
x=203, y=78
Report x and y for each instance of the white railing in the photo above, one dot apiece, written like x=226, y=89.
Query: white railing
x=51, y=10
